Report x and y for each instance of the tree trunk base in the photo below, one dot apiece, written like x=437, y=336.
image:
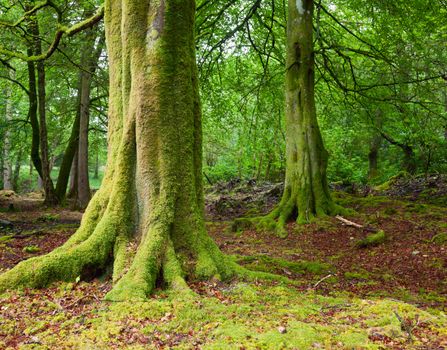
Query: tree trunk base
x=103, y=240
x=289, y=210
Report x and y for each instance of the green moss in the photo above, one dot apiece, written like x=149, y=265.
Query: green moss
x=440, y=238
x=387, y=277
x=390, y=211
x=243, y=316
x=357, y=275
x=372, y=240
x=48, y=218
x=4, y=239
x=31, y=249
x=388, y=184
x=417, y=208
x=242, y=224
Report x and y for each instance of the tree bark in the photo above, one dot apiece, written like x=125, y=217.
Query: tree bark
x=96, y=173
x=89, y=60
x=89, y=63
x=17, y=168
x=7, y=161
x=83, y=193
x=37, y=97
x=306, y=192
x=409, y=163
x=50, y=195
x=152, y=191
x=32, y=113
x=73, y=190
x=68, y=161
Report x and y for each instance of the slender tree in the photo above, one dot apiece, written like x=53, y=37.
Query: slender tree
x=152, y=190
x=7, y=161
x=37, y=112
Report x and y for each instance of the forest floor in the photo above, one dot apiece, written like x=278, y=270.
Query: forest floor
x=392, y=295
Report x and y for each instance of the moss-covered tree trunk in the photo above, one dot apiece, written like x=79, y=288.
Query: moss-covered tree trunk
x=306, y=193
x=152, y=190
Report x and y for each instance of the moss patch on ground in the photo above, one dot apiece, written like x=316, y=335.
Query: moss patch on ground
x=372, y=240
x=237, y=315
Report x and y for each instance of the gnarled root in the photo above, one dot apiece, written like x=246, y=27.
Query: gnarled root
x=292, y=207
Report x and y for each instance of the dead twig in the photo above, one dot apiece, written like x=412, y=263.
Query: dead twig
x=407, y=326
x=321, y=280
x=353, y=224
x=347, y=222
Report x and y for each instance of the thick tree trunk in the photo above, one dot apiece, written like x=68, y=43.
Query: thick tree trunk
x=306, y=193
x=152, y=190
x=7, y=161
x=306, y=189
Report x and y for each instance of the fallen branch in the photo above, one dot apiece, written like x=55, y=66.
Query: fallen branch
x=323, y=279
x=347, y=222
x=353, y=224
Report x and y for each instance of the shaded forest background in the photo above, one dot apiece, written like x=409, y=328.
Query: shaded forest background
x=381, y=90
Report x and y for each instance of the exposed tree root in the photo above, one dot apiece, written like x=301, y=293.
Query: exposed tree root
x=291, y=208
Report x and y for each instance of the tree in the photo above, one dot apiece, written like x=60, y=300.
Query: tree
x=306, y=192
x=7, y=161
x=45, y=171
x=152, y=190
x=306, y=188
